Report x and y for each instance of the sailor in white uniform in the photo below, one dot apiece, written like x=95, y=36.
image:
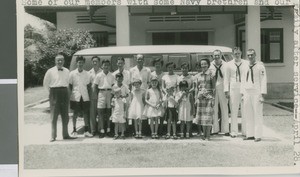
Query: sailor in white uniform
x=253, y=90
x=218, y=67
x=232, y=85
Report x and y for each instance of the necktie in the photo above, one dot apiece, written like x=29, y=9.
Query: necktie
x=60, y=69
x=251, y=69
x=238, y=72
x=218, y=71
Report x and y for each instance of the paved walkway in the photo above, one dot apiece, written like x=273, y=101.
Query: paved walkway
x=30, y=138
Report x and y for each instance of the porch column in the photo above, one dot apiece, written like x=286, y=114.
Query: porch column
x=123, y=26
x=253, y=30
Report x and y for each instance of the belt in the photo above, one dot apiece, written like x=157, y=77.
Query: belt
x=108, y=89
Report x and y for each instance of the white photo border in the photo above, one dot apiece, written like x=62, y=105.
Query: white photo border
x=159, y=171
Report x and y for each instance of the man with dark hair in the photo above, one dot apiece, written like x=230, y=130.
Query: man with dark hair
x=80, y=83
x=232, y=85
x=56, y=81
x=218, y=66
x=141, y=72
x=93, y=96
x=253, y=90
x=103, y=86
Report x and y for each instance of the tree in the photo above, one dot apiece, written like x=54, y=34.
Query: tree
x=66, y=42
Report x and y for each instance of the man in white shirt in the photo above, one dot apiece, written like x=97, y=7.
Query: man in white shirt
x=103, y=86
x=56, y=81
x=253, y=90
x=80, y=83
x=93, y=96
x=232, y=85
x=218, y=66
x=140, y=72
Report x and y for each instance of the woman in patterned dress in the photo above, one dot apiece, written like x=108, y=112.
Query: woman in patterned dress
x=206, y=93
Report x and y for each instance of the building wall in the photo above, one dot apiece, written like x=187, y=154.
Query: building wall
x=67, y=20
x=221, y=29
x=282, y=73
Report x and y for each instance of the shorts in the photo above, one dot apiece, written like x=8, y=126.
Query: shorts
x=80, y=106
x=104, y=99
x=171, y=114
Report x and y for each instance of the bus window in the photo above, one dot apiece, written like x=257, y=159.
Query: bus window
x=178, y=59
x=148, y=60
x=88, y=62
x=201, y=56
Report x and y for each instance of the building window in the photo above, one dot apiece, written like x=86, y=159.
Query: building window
x=272, y=45
x=183, y=38
x=101, y=38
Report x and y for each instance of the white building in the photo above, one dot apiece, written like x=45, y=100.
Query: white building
x=269, y=30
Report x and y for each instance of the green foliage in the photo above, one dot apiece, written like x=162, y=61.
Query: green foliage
x=65, y=42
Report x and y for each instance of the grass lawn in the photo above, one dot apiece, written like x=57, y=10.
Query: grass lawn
x=34, y=94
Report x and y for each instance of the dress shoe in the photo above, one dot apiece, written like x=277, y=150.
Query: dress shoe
x=101, y=135
x=52, y=139
x=233, y=135
x=257, y=139
x=226, y=134
x=248, y=138
x=87, y=134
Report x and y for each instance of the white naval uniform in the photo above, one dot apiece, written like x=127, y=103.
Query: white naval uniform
x=220, y=98
x=232, y=84
x=252, y=88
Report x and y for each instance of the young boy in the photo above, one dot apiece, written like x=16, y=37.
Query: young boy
x=79, y=83
x=103, y=85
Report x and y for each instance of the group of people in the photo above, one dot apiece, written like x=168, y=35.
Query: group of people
x=131, y=96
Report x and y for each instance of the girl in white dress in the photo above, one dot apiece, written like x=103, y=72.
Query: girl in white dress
x=184, y=100
x=136, y=107
x=153, y=108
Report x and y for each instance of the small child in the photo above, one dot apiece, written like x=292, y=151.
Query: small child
x=136, y=107
x=171, y=114
x=153, y=108
x=184, y=100
x=118, y=112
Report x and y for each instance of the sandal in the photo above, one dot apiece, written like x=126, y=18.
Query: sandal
x=140, y=136
x=167, y=136
x=175, y=137
x=156, y=136
x=153, y=136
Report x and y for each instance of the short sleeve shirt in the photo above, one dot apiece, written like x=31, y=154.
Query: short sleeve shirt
x=124, y=89
x=104, y=81
x=93, y=73
x=170, y=80
x=188, y=78
x=143, y=74
x=79, y=82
